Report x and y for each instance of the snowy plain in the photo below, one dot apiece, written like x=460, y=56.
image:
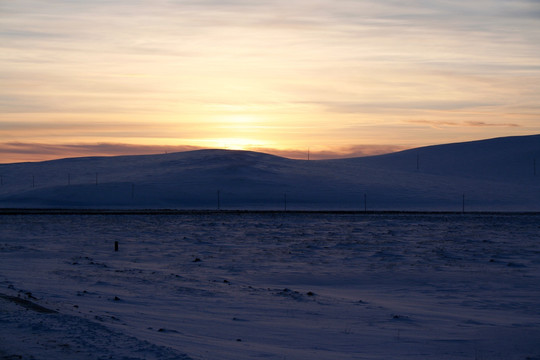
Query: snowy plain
x=196, y=282
x=227, y=285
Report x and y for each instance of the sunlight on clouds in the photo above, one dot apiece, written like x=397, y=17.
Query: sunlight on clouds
x=231, y=143
x=238, y=123
x=281, y=74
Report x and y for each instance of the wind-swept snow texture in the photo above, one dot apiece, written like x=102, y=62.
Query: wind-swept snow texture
x=270, y=286
x=500, y=174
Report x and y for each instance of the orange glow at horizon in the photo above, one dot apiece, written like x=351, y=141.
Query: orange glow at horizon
x=284, y=76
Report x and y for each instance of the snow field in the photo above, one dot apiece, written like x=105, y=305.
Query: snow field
x=273, y=286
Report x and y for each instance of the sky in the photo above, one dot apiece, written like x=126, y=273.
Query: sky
x=333, y=77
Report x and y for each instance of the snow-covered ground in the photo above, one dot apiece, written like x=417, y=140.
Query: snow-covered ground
x=491, y=175
x=270, y=285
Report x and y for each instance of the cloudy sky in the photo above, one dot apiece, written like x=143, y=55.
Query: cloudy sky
x=339, y=77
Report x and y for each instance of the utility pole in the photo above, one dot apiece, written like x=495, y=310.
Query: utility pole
x=365, y=202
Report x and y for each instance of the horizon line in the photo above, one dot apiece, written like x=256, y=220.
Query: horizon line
x=25, y=152
x=40, y=152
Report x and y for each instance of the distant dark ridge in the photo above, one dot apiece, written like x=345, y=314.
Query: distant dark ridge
x=239, y=212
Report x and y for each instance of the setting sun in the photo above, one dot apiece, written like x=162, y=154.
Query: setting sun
x=235, y=143
x=384, y=180
x=330, y=75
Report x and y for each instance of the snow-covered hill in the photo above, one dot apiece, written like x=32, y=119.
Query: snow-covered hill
x=500, y=174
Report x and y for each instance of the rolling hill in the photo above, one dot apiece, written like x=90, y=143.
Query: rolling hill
x=501, y=174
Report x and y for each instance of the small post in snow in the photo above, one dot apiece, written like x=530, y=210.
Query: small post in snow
x=365, y=202
x=116, y=246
